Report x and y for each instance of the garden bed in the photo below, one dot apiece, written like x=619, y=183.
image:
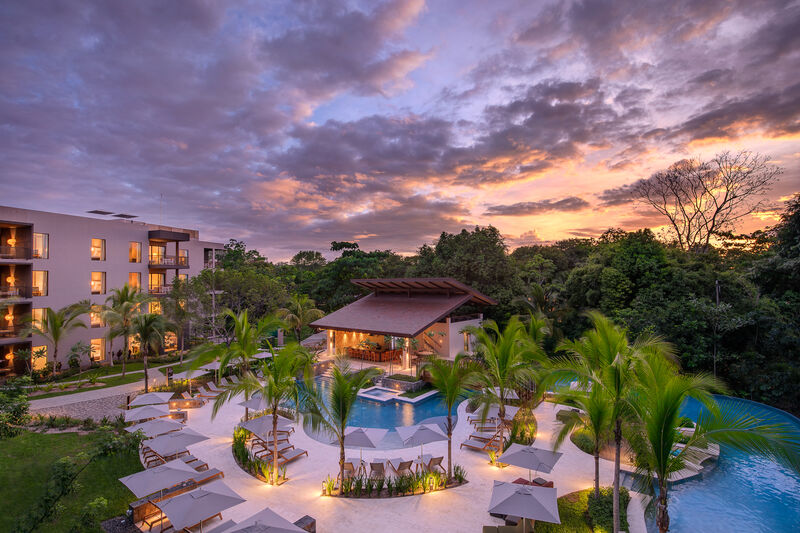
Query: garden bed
x=403, y=383
x=395, y=487
x=258, y=468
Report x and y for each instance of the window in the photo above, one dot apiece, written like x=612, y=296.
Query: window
x=154, y=308
x=39, y=362
x=135, y=280
x=133, y=344
x=97, y=349
x=157, y=282
x=39, y=283
x=41, y=246
x=135, y=252
x=98, y=283
x=95, y=318
x=183, y=277
x=157, y=253
x=98, y=250
x=170, y=341
x=37, y=316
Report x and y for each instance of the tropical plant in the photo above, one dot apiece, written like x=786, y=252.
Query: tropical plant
x=657, y=399
x=55, y=325
x=507, y=358
x=604, y=359
x=300, y=312
x=121, y=307
x=593, y=420
x=176, y=309
x=330, y=412
x=279, y=390
x=451, y=379
x=77, y=352
x=149, y=329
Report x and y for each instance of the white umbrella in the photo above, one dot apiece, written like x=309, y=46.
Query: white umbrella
x=151, y=398
x=157, y=479
x=525, y=501
x=263, y=355
x=146, y=412
x=262, y=425
x=156, y=427
x=173, y=443
x=212, y=366
x=530, y=458
x=194, y=507
x=266, y=521
x=363, y=438
x=420, y=434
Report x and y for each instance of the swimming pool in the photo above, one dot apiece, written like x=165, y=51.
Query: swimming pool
x=743, y=493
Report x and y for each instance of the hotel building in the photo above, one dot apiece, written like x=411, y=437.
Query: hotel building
x=54, y=260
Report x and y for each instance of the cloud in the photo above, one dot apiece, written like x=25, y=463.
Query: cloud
x=572, y=203
x=617, y=196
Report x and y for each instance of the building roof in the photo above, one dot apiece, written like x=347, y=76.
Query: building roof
x=402, y=307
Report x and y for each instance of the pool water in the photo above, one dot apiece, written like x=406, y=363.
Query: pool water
x=743, y=492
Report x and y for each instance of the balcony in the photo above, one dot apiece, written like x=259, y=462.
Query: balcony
x=14, y=330
x=160, y=290
x=15, y=291
x=15, y=252
x=168, y=261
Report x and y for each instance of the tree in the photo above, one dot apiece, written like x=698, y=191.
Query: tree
x=150, y=329
x=701, y=199
x=603, y=359
x=280, y=389
x=308, y=260
x=77, y=352
x=657, y=398
x=330, y=412
x=506, y=358
x=237, y=256
x=451, y=379
x=594, y=419
x=55, y=325
x=122, y=306
x=176, y=309
x=300, y=312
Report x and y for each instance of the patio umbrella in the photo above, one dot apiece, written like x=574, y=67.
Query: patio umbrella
x=172, y=443
x=192, y=508
x=263, y=355
x=151, y=398
x=530, y=458
x=212, y=366
x=262, y=425
x=158, y=478
x=420, y=434
x=363, y=438
x=266, y=521
x=156, y=427
x=146, y=412
x=525, y=501
x=256, y=403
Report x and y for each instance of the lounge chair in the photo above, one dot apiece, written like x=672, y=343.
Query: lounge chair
x=483, y=446
x=234, y=379
x=377, y=471
x=349, y=470
x=213, y=387
x=434, y=465
x=484, y=435
x=205, y=393
x=195, y=463
x=291, y=455
x=401, y=467
x=261, y=451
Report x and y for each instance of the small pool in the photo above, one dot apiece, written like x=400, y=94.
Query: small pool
x=743, y=493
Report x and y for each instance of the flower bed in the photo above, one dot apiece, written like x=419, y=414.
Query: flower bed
x=395, y=487
x=258, y=468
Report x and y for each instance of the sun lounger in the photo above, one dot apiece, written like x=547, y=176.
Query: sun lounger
x=400, y=466
x=282, y=439
x=234, y=379
x=209, y=475
x=434, y=465
x=261, y=451
x=205, y=393
x=213, y=387
x=291, y=455
x=482, y=446
x=377, y=471
x=349, y=470
x=195, y=463
x=483, y=435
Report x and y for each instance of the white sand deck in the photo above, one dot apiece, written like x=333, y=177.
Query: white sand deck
x=461, y=509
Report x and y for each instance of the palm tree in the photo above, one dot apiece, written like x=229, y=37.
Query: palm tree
x=451, y=379
x=150, y=329
x=330, y=413
x=300, y=312
x=659, y=396
x=604, y=358
x=175, y=306
x=594, y=418
x=507, y=358
x=280, y=389
x=121, y=307
x=55, y=325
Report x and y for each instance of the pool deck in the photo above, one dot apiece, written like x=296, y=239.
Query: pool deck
x=462, y=509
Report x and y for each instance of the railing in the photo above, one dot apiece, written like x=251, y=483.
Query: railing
x=160, y=289
x=14, y=252
x=15, y=291
x=169, y=260
x=11, y=331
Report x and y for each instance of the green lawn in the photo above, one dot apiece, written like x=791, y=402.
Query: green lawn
x=572, y=510
x=25, y=462
x=424, y=390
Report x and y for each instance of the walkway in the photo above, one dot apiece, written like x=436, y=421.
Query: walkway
x=463, y=509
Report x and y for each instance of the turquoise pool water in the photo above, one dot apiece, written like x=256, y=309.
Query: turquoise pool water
x=743, y=493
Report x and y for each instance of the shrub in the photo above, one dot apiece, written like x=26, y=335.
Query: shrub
x=403, y=377
x=685, y=422
x=582, y=439
x=88, y=424
x=89, y=519
x=601, y=510
x=389, y=486
x=459, y=473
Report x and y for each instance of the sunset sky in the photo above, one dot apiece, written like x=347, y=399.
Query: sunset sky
x=292, y=124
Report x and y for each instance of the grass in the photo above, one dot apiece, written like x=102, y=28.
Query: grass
x=402, y=377
x=427, y=388
x=25, y=463
x=572, y=509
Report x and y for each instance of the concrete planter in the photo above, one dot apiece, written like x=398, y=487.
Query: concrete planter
x=404, y=386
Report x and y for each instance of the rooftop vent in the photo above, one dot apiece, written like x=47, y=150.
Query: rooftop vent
x=125, y=215
x=99, y=212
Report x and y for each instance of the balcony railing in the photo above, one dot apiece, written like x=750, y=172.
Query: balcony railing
x=170, y=261
x=11, y=331
x=14, y=252
x=15, y=291
x=160, y=289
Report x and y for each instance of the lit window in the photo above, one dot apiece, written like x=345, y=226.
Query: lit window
x=39, y=362
x=158, y=254
x=97, y=349
x=183, y=277
x=135, y=252
x=95, y=318
x=39, y=283
x=41, y=246
x=157, y=282
x=155, y=308
x=98, y=283
x=170, y=341
x=133, y=344
x=98, y=250
x=135, y=280
x=37, y=316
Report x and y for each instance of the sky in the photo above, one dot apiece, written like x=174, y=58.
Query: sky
x=292, y=124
